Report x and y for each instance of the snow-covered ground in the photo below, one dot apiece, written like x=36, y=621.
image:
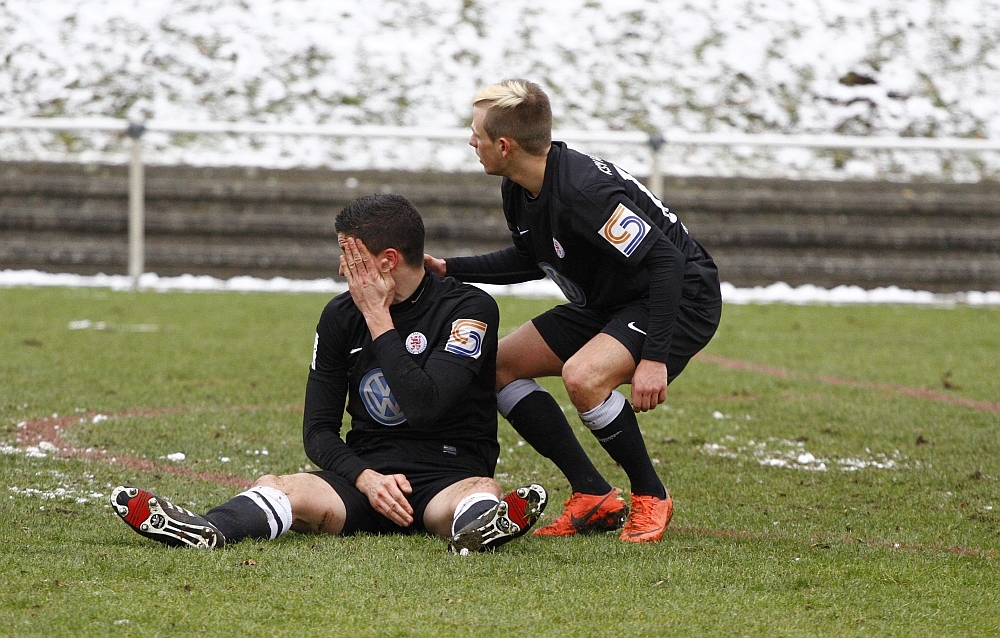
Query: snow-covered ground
x=775, y=293
x=862, y=67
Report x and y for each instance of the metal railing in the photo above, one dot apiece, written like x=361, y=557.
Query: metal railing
x=653, y=141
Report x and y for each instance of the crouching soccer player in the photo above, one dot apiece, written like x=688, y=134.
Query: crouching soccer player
x=413, y=356
x=644, y=299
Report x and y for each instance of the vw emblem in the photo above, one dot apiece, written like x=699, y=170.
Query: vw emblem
x=379, y=400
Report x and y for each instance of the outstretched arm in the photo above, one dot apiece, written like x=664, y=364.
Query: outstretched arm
x=507, y=266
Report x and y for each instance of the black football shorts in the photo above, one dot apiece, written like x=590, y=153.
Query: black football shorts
x=567, y=328
x=424, y=467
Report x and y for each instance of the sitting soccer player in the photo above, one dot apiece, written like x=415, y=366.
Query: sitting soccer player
x=413, y=355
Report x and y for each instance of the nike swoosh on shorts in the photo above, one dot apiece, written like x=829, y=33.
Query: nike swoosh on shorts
x=631, y=325
x=359, y=350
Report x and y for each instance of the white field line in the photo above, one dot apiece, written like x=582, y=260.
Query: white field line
x=775, y=293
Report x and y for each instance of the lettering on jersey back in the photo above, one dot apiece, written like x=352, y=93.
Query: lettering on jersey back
x=379, y=400
x=624, y=230
x=656, y=200
x=574, y=293
x=600, y=164
x=466, y=338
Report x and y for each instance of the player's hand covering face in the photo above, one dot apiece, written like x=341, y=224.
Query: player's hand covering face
x=369, y=281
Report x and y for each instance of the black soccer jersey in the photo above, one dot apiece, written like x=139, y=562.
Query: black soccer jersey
x=430, y=381
x=592, y=229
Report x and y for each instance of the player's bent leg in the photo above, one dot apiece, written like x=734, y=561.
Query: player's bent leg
x=511, y=518
x=316, y=507
x=523, y=354
x=595, y=370
x=534, y=414
x=159, y=520
x=467, y=498
x=591, y=377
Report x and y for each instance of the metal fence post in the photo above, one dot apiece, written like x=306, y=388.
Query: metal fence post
x=656, y=142
x=136, y=207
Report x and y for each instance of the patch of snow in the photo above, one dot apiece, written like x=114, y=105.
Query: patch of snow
x=782, y=453
x=545, y=288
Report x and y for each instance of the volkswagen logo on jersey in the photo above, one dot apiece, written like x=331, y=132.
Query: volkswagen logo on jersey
x=379, y=400
x=416, y=343
x=574, y=294
x=559, y=249
x=624, y=230
x=466, y=338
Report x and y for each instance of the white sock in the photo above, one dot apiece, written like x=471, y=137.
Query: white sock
x=599, y=417
x=468, y=505
x=512, y=393
x=276, y=507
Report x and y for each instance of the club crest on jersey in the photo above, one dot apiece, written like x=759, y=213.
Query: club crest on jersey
x=574, y=293
x=624, y=230
x=466, y=338
x=379, y=400
x=416, y=343
x=559, y=249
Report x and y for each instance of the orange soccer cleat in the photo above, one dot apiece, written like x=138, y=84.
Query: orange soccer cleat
x=648, y=520
x=585, y=513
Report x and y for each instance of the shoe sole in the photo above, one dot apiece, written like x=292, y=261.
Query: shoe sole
x=144, y=514
x=513, y=517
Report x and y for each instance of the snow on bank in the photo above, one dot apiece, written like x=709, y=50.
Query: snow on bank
x=775, y=293
x=861, y=67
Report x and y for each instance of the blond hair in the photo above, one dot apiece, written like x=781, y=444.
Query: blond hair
x=517, y=109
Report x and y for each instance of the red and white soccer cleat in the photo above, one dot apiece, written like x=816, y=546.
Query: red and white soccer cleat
x=159, y=520
x=513, y=516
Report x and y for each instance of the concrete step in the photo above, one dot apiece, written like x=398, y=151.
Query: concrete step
x=226, y=221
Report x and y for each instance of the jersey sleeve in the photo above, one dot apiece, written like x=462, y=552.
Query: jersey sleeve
x=623, y=232
x=326, y=396
x=507, y=266
x=468, y=342
x=611, y=221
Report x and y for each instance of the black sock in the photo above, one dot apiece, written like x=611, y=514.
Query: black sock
x=541, y=422
x=244, y=516
x=623, y=441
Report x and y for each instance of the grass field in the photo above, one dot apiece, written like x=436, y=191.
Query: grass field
x=834, y=469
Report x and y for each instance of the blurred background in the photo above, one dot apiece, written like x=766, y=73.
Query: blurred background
x=230, y=204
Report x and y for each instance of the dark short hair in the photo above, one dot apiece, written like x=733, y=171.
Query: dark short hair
x=385, y=221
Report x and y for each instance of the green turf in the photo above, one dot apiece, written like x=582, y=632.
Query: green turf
x=754, y=549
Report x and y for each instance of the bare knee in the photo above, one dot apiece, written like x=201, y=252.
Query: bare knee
x=485, y=484
x=316, y=506
x=268, y=480
x=585, y=383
